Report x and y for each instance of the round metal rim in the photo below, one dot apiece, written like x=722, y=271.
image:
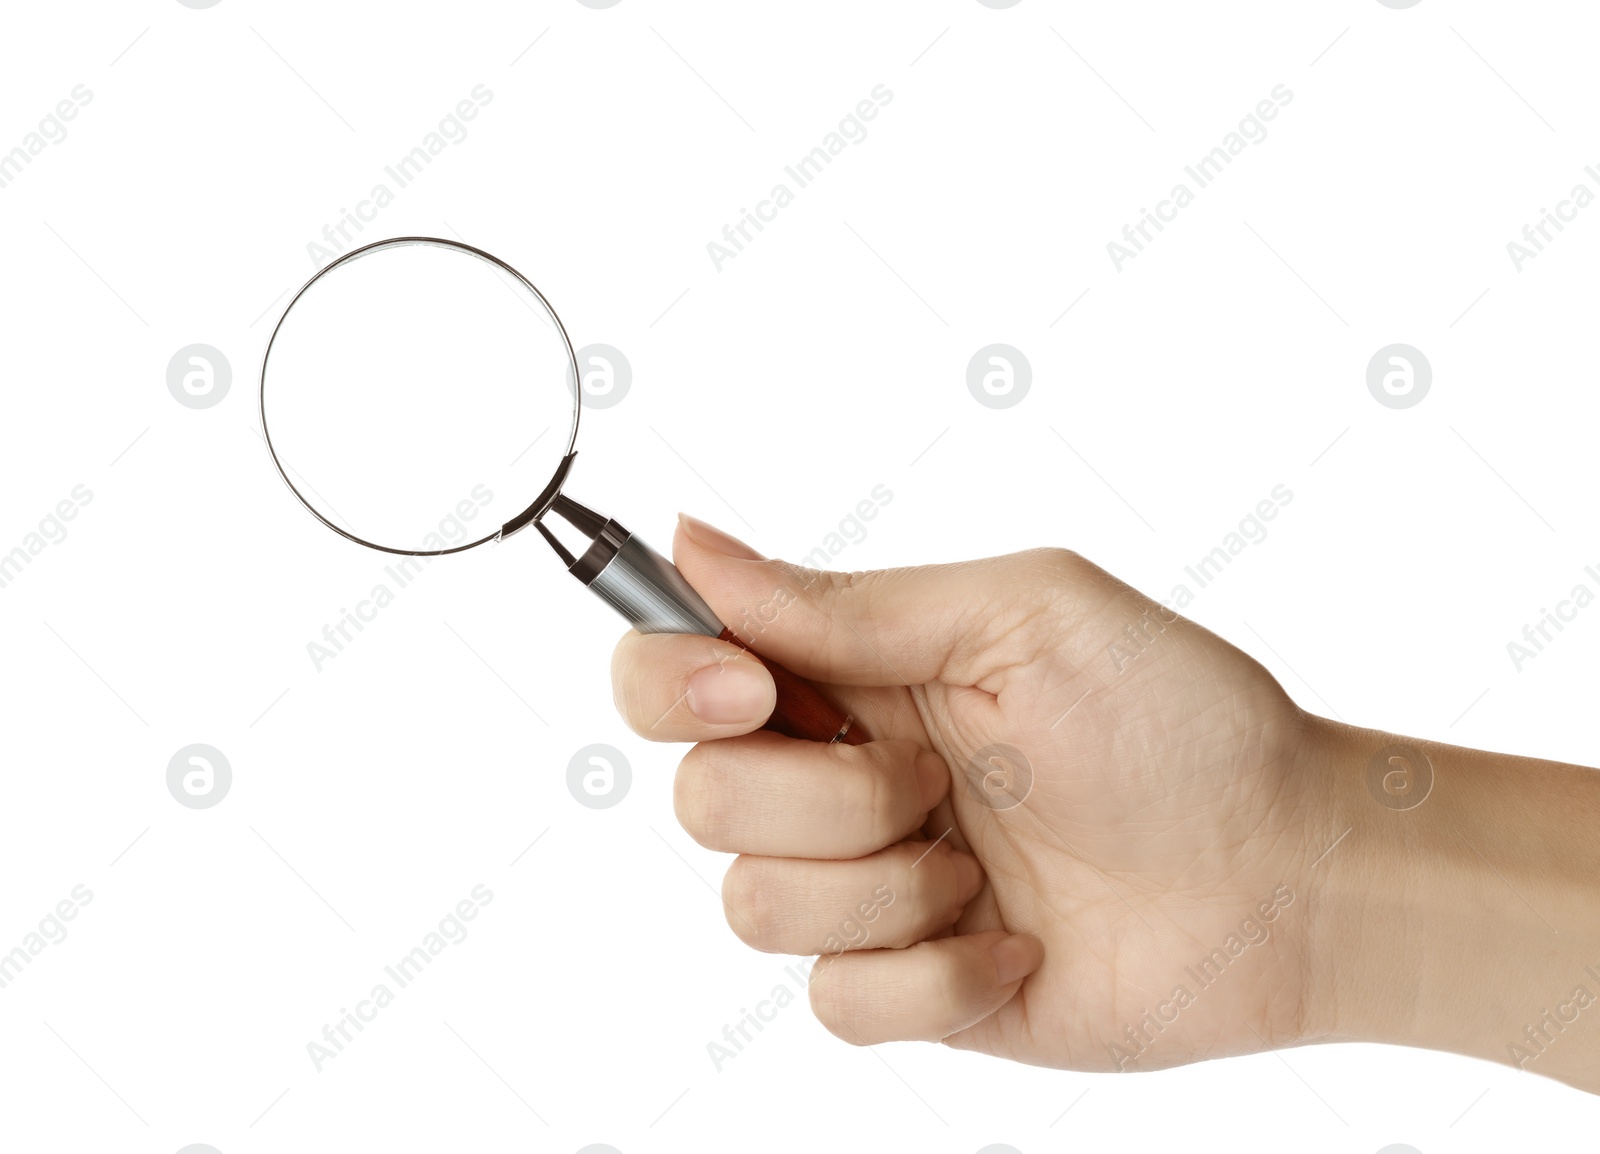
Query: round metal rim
x=546, y=498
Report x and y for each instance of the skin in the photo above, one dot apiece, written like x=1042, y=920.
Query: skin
x=1171, y=861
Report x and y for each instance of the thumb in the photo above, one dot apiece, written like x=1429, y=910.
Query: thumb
x=955, y=623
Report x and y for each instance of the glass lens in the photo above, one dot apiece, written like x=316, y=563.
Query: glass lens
x=417, y=396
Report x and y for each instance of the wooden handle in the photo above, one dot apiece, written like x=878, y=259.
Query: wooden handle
x=802, y=711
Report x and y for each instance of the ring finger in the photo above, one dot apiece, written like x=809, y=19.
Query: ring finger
x=891, y=898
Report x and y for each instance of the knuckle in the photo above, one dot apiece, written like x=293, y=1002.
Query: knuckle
x=951, y=904
x=1063, y=565
x=931, y=889
x=698, y=799
x=953, y=986
x=875, y=808
x=813, y=584
x=971, y=977
x=649, y=680
x=624, y=693
x=862, y=805
x=742, y=888
x=827, y=590
x=832, y=1005
x=1051, y=588
x=926, y=895
x=844, y=584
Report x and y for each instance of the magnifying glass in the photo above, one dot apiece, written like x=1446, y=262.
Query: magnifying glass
x=417, y=389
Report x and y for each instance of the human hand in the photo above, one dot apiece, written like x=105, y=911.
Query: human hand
x=1121, y=888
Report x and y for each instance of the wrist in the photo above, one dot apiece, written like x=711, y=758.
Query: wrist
x=1454, y=905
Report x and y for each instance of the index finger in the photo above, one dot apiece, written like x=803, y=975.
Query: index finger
x=688, y=687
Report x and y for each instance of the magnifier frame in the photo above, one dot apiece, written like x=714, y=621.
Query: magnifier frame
x=541, y=504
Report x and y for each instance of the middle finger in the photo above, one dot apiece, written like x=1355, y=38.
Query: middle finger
x=782, y=797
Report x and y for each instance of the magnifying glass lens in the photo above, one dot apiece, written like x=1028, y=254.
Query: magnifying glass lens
x=417, y=396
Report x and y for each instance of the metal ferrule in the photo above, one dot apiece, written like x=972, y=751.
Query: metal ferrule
x=642, y=585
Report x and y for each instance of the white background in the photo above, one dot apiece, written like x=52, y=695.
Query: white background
x=769, y=397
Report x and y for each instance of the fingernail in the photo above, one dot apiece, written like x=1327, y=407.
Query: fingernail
x=969, y=876
x=933, y=777
x=1015, y=957
x=716, y=540
x=739, y=690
